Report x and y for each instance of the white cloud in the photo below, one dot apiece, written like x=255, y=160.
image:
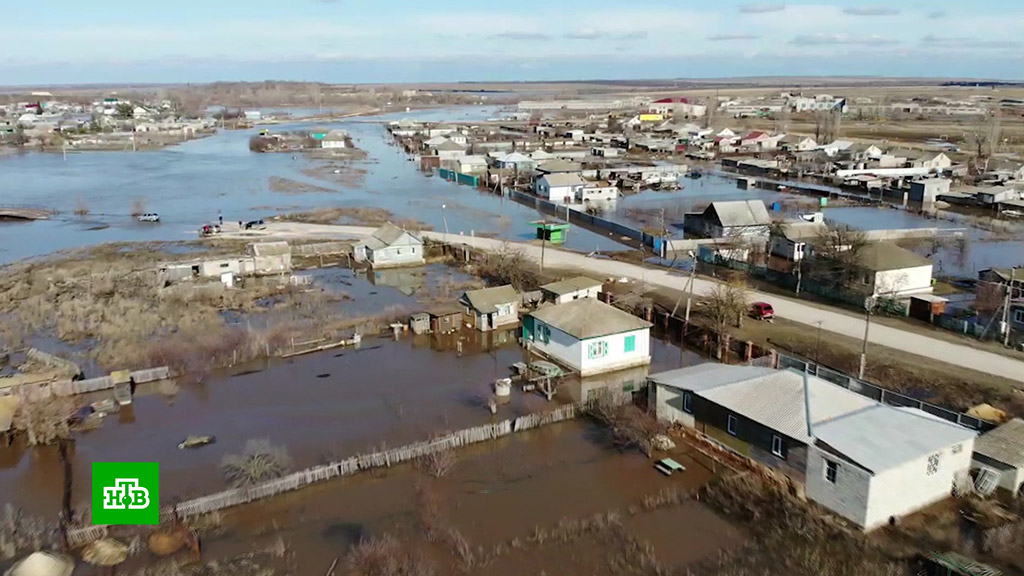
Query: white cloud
x=968, y=43
x=842, y=40
x=761, y=8
x=730, y=37
x=870, y=11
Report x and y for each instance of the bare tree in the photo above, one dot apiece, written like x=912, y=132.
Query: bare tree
x=630, y=426
x=438, y=464
x=835, y=260
x=49, y=422
x=985, y=138
x=725, y=303
x=386, y=556
x=259, y=461
x=510, y=266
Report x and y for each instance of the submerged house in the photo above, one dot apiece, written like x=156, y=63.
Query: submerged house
x=491, y=308
x=865, y=461
x=589, y=336
x=390, y=246
x=734, y=219
x=1000, y=453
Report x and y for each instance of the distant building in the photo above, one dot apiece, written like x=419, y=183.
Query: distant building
x=927, y=190
x=449, y=150
x=559, y=187
x=596, y=191
x=390, y=246
x=252, y=115
x=491, y=308
x=794, y=143
x=793, y=240
x=588, y=336
x=890, y=271
x=733, y=219
x=335, y=139
x=571, y=289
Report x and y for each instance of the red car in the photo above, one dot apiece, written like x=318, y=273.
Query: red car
x=762, y=311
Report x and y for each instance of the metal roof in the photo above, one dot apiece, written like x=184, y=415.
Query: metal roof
x=564, y=179
x=553, y=166
x=881, y=437
x=389, y=235
x=740, y=213
x=570, y=285
x=449, y=146
x=270, y=248
x=487, y=300
x=1004, y=444
x=589, y=318
x=772, y=398
x=800, y=230
x=882, y=256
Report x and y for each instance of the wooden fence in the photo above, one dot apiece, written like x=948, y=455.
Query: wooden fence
x=321, y=249
x=73, y=387
x=347, y=467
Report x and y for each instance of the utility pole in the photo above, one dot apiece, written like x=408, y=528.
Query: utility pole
x=1006, y=307
x=543, y=243
x=817, y=347
x=868, y=304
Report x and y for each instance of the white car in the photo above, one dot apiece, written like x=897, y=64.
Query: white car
x=149, y=217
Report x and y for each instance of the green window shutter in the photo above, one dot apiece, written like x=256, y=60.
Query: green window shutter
x=630, y=344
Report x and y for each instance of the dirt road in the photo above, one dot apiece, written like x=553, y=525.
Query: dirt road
x=791, y=309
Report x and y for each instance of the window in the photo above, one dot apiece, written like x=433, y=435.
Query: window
x=957, y=449
x=225, y=265
x=1018, y=316
x=777, y=447
x=831, y=471
x=731, y=425
x=630, y=344
x=933, y=464
x=688, y=403
x=544, y=332
x=597, y=349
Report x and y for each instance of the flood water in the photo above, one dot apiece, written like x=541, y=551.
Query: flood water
x=189, y=183
x=326, y=405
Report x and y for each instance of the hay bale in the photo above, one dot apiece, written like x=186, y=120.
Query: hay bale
x=165, y=542
x=105, y=552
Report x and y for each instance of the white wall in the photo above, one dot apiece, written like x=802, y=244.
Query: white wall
x=870, y=500
x=450, y=154
x=395, y=255
x=848, y=497
x=909, y=488
x=332, y=143
x=901, y=282
x=574, y=353
x=668, y=406
x=593, y=292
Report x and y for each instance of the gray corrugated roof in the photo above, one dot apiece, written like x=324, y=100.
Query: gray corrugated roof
x=1004, y=444
x=882, y=256
x=741, y=213
x=708, y=375
x=487, y=300
x=570, y=285
x=553, y=166
x=880, y=437
x=589, y=318
x=270, y=248
x=388, y=235
x=564, y=179
x=776, y=400
x=803, y=230
x=449, y=146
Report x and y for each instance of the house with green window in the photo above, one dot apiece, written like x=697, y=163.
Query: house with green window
x=588, y=336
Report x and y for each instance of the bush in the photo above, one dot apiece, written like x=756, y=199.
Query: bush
x=259, y=462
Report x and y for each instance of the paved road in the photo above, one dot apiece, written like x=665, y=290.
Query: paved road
x=790, y=309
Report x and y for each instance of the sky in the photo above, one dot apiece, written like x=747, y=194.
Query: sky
x=390, y=41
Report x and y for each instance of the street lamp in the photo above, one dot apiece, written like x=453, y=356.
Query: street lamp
x=445, y=220
x=869, y=304
x=817, y=346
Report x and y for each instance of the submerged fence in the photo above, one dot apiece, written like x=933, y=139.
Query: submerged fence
x=347, y=467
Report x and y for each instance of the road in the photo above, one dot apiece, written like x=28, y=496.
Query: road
x=790, y=309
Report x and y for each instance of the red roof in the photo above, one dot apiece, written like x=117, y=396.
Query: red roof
x=672, y=101
x=755, y=135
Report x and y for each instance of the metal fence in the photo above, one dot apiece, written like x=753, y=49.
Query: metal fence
x=346, y=467
x=320, y=249
x=882, y=395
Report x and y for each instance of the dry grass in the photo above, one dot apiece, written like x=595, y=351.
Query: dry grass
x=360, y=216
x=386, y=556
x=288, y=186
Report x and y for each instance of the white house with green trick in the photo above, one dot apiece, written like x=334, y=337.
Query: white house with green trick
x=588, y=336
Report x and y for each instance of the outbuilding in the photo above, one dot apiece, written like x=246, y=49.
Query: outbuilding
x=559, y=187
x=571, y=289
x=1001, y=453
x=491, y=308
x=589, y=336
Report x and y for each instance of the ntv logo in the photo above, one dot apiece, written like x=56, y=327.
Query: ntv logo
x=126, y=493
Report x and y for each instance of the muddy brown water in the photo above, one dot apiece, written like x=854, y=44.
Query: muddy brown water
x=385, y=393
x=496, y=492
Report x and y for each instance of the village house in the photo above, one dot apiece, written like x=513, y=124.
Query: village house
x=588, y=336
x=472, y=164
x=935, y=161
x=259, y=259
x=597, y=191
x=793, y=240
x=489, y=309
x=863, y=460
x=746, y=219
x=794, y=143
x=270, y=257
x=389, y=246
x=571, y=289
x=560, y=187
x=559, y=167
x=449, y=150
x=835, y=147
x=890, y=271
x=335, y=139
x=1000, y=453
x=515, y=162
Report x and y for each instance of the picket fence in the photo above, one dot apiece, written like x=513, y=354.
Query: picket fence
x=70, y=388
x=347, y=467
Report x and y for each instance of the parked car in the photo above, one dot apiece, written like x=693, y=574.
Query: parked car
x=762, y=311
x=208, y=230
x=149, y=217
x=255, y=225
